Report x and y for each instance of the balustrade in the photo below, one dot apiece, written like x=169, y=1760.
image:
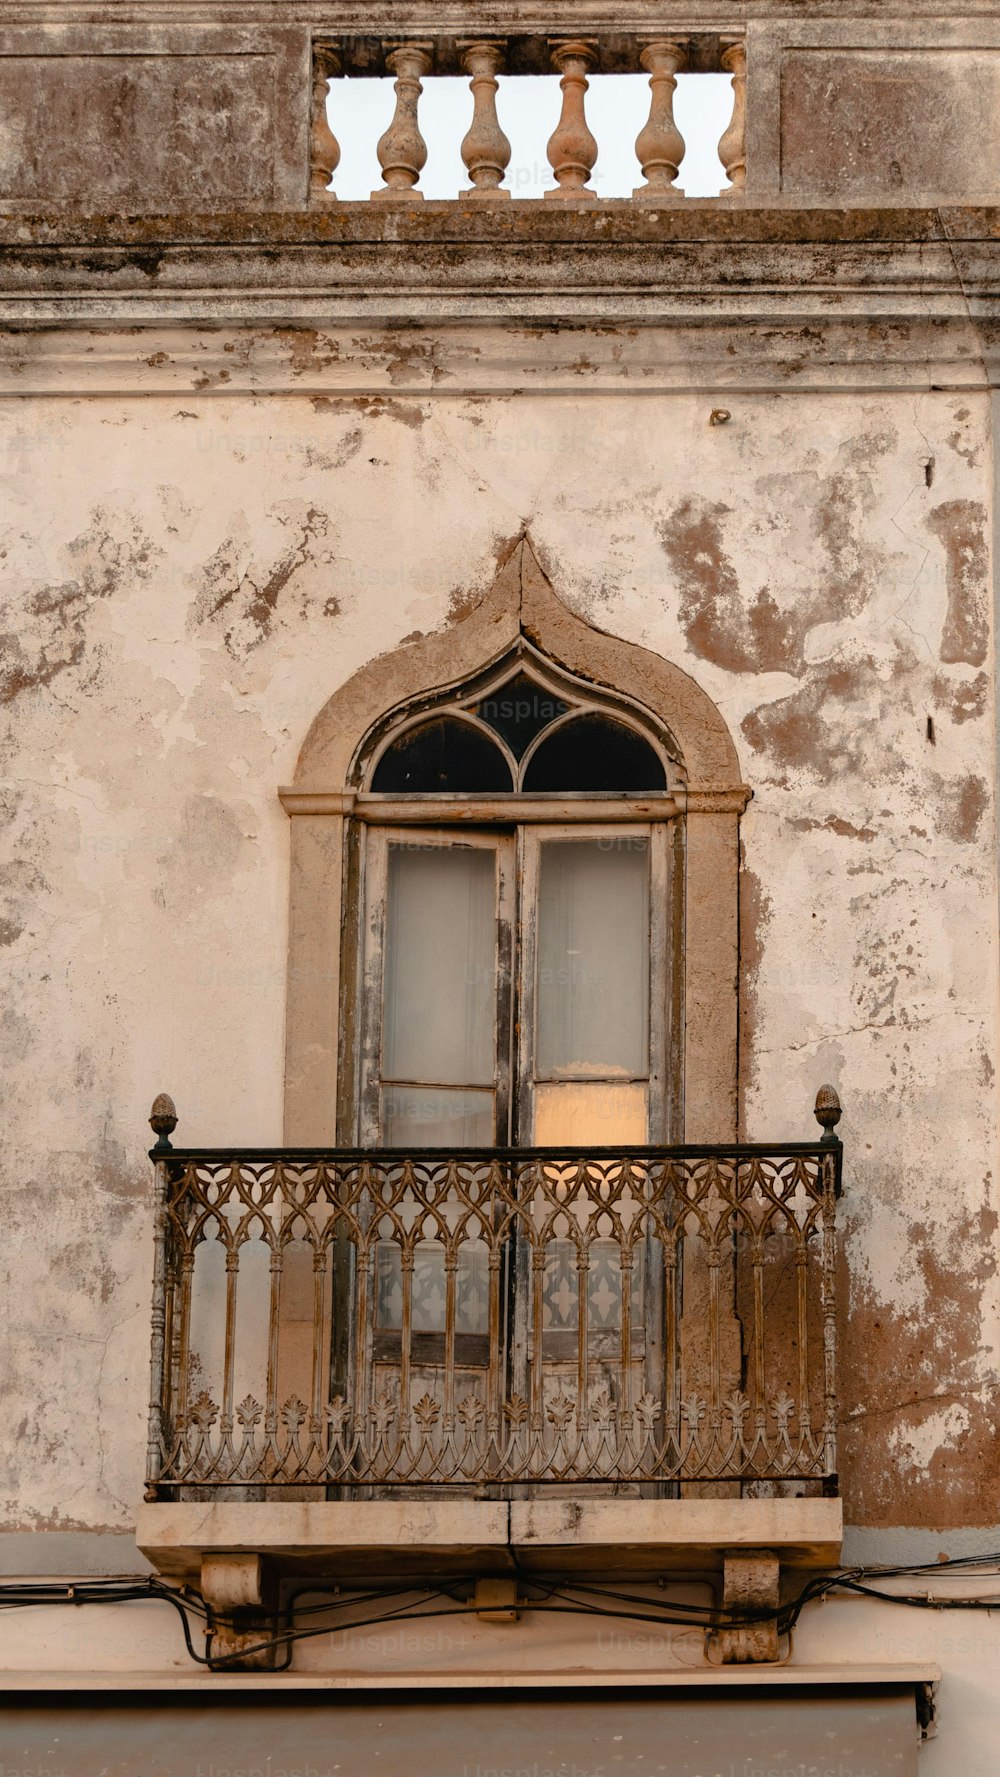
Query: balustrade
x=353, y=1318
x=324, y=155
x=572, y=150
x=732, y=148
x=486, y=151
x=402, y=151
x=660, y=146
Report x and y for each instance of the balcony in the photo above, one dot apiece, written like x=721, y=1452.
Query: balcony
x=343, y=1338
x=486, y=151
x=250, y=120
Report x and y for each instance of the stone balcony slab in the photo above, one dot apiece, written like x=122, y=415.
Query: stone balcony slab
x=398, y=1538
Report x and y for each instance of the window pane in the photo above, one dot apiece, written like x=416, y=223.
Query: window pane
x=440, y=966
x=389, y=1286
x=433, y=1117
x=429, y=1299
x=439, y=756
x=593, y=958
x=519, y=710
x=560, y=1287
x=595, y=753
x=591, y=1113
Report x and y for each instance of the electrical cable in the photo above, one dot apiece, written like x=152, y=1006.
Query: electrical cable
x=565, y=1597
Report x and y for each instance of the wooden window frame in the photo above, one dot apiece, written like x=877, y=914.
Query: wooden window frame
x=362, y=1024
x=518, y=847
x=665, y=1068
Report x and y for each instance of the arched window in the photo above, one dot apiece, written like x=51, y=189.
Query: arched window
x=515, y=902
x=587, y=780
x=538, y=742
x=518, y=899
x=513, y=924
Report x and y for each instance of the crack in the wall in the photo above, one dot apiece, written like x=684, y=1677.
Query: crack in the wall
x=852, y=1030
x=945, y=1397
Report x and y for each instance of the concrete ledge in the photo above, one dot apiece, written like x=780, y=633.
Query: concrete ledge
x=352, y=1537
x=654, y=1533
x=448, y=221
x=402, y=1537
x=860, y=1677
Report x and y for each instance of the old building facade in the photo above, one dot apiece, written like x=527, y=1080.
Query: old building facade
x=499, y=713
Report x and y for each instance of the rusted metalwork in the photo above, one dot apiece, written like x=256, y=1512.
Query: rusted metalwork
x=357, y=1318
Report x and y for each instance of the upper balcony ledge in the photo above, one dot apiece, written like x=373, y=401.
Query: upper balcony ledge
x=446, y=222
x=394, y=1538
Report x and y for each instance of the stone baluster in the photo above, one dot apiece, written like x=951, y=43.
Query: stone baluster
x=572, y=150
x=732, y=147
x=324, y=149
x=402, y=151
x=485, y=150
x=659, y=145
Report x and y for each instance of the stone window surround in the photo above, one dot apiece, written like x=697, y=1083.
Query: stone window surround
x=520, y=603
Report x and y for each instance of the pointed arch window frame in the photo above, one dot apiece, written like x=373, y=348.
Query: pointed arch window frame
x=327, y=811
x=580, y=699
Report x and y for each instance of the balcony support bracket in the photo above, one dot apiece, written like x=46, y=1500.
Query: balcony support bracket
x=235, y=1589
x=751, y=1581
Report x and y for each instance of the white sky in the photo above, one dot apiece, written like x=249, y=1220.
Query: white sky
x=528, y=107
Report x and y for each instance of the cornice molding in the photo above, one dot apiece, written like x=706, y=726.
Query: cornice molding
x=688, y=298
x=378, y=366
x=436, y=223
x=450, y=262
x=419, y=18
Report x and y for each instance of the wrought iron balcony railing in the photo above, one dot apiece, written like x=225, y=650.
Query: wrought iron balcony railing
x=355, y=1319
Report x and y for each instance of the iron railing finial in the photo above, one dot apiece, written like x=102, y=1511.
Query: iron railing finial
x=163, y=1121
x=828, y=1113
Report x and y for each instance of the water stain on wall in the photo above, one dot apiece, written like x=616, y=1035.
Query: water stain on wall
x=49, y=620
x=719, y=624
x=743, y=632
x=246, y=593
x=903, y=1369
x=960, y=525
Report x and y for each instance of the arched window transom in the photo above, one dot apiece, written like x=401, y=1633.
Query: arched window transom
x=525, y=730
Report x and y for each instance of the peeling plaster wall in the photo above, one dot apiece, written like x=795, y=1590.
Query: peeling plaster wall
x=187, y=579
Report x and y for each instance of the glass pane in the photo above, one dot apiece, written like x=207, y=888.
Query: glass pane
x=519, y=710
x=389, y=1286
x=593, y=958
x=604, y=1286
x=433, y=1117
x=595, y=753
x=440, y=967
x=429, y=1288
x=442, y=755
x=560, y=1288
x=429, y=1298
x=591, y=1114
x=472, y=1286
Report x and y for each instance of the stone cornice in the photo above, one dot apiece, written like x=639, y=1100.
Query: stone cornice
x=689, y=297
x=426, y=360
x=438, y=224
x=415, y=18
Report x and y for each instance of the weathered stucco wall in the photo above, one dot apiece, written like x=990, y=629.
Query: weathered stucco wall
x=186, y=581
